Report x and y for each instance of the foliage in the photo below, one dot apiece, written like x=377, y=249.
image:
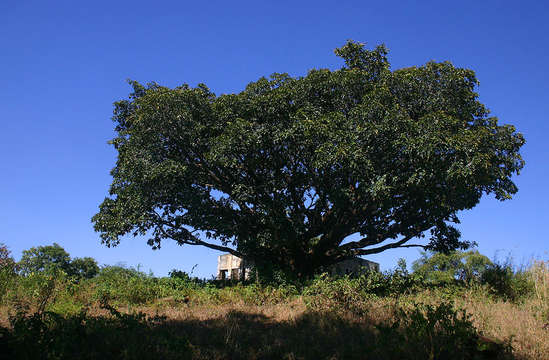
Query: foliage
x=185, y=277
x=50, y=258
x=355, y=294
x=270, y=274
x=390, y=315
x=178, y=274
x=286, y=170
x=49, y=335
x=436, y=332
x=84, y=268
x=336, y=295
x=447, y=268
x=392, y=283
x=7, y=271
x=36, y=291
x=6, y=260
x=125, y=285
x=539, y=275
x=507, y=283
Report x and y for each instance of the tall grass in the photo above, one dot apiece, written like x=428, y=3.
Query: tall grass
x=539, y=275
x=378, y=315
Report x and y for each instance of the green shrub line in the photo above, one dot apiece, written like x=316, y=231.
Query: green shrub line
x=50, y=335
x=418, y=331
x=49, y=309
x=127, y=286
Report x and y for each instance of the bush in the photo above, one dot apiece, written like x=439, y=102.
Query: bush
x=36, y=291
x=84, y=268
x=440, y=268
x=391, y=283
x=435, y=332
x=539, y=276
x=7, y=271
x=7, y=282
x=121, y=336
x=126, y=285
x=504, y=282
x=256, y=294
x=328, y=294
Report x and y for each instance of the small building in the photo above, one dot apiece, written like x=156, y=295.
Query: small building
x=352, y=266
x=231, y=267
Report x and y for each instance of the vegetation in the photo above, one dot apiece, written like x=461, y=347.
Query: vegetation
x=447, y=268
x=123, y=313
x=53, y=258
x=285, y=171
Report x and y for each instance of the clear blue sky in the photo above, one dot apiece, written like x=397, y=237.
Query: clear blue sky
x=63, y=64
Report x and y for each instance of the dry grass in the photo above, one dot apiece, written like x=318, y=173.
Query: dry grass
x=539, y=272
x=520, y=323
x=525, y=323
x=344, y=329
x=291, y=331
x=281, y=331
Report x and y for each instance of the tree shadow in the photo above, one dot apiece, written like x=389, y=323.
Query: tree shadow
x=233, y=336
x=240, y=335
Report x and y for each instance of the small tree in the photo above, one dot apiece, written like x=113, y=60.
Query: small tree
x=53, y=258
x=45, y=258
x=284, y=172
x=85, y=268
x=457, y=265
x=7, y=271
x=6, y=260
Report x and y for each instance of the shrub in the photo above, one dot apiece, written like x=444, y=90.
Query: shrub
x=391, y=283
x=504, y=282
x=126, y=285
x=84, y=268
x=50, y=258
x=257, y=294
x=37, y=291
x=435, y=332
x=440, y=268
x=7, y=271
x=121, y=336
x=341, y=294
x=326, y=292
x=539, y=275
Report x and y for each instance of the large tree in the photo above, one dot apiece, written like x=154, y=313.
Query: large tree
x=284, y=172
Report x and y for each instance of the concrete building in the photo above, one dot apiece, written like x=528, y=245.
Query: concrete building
x=353, y=267
x=232, y=267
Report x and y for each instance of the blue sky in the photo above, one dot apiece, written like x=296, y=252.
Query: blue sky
x=63, y=64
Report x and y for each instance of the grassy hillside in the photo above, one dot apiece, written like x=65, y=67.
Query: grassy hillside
x=125, y=314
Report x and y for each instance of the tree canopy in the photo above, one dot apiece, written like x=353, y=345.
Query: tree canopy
x=7, y=263
x=53, y=258
x=287, y=170
x=44, y=258
x=457, y=265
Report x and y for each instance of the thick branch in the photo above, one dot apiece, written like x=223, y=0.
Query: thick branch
x=215, y=247
x=379, y=249
x=391, y=231
x=183, y=236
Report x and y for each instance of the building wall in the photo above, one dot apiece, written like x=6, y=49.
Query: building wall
x=231, y=267
x=353, y=267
